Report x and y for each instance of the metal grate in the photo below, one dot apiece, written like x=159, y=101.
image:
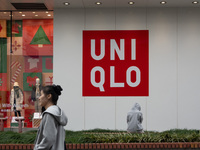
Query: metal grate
x=29, y=6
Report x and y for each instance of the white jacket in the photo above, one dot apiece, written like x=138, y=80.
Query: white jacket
x=19, y=100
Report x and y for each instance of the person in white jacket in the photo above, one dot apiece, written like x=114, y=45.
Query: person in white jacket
x=51, y=133
x=134, y=119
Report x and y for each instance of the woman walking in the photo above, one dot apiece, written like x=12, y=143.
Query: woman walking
x=51, y=133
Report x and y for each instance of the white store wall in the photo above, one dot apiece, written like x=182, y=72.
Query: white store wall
x=174, y=75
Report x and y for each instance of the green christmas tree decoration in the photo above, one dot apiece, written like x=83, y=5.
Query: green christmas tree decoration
x=40, y=38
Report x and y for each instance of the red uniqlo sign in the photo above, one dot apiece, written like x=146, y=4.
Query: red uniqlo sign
x=116, y=63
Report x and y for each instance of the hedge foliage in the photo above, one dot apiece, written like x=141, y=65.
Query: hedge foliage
x=10, y=137
x=107, y=136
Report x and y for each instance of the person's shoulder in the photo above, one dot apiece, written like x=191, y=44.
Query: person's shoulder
x=46, y=115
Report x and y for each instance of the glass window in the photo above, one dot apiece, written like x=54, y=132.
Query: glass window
x=26, y=55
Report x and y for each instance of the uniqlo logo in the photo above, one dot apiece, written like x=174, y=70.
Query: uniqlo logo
x=116, y=63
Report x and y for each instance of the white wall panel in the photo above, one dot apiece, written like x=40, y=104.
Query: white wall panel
x=68, y=26
x=189, y=71
x=131, y=19
x=99, y=112
x=162, y=102
x=99, y=19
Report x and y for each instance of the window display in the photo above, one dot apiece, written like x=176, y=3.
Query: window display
x=26, y=63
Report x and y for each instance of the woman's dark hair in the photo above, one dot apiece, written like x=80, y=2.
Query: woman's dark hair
x=54, y=90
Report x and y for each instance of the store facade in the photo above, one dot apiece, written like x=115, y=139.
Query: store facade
x=56, y=50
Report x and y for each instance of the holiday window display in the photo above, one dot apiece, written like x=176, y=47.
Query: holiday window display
x=31, y=59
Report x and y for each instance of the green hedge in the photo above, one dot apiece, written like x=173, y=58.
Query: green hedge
x=107, y=136
x=10, y=137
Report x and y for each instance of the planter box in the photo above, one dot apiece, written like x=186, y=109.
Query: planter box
x=111, y=146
